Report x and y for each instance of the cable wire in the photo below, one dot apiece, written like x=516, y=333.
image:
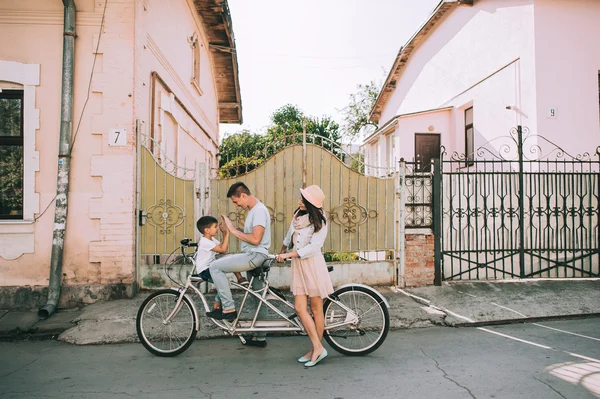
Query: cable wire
x=84, y=105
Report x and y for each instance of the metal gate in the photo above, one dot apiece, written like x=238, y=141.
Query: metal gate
x=524, y=208
x=166, y=215
x=361, y=209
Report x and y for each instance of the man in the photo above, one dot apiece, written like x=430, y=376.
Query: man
x=256, y=240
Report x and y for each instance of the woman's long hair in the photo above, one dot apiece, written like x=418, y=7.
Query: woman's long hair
x=315, y=215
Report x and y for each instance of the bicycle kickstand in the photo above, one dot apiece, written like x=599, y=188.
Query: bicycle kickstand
x=241, y=337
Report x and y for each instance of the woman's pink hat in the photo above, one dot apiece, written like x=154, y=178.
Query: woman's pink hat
x=314, y=195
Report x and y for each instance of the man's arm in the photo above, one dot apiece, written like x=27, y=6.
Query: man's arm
x=253, y=238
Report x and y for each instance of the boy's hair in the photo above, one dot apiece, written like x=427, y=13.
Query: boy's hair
x=237, y=189
x=205, y=222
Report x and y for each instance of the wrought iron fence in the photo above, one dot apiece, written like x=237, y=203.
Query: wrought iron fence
x=416, y=188
x=523, y=208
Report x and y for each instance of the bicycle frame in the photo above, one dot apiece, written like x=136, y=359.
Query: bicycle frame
x=264, y=295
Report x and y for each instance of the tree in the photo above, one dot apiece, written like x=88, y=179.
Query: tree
x=245, y=151
x=287, y=122
x=356, y=123
x=240, y=153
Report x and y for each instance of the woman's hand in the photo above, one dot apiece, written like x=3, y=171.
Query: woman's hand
x=284, y=257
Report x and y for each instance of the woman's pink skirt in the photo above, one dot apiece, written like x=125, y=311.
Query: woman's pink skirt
x=310, y=277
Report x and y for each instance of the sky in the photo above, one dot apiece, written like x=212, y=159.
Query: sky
x=313, y=53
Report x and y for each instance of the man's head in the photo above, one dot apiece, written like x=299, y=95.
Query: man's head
x=240, y=195
x=207, y=225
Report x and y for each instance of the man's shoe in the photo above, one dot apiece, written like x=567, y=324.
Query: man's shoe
x=252, y=341
x=219, y=315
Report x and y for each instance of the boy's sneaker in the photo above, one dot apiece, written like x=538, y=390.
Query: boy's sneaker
x=219, y=315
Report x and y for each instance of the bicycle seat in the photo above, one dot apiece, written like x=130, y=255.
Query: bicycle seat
x=264, y=268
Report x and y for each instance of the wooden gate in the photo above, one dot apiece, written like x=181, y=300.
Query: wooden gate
x=360, y=209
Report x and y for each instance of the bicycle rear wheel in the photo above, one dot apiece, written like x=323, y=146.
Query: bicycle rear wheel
x=164, y=338
x=371, y=328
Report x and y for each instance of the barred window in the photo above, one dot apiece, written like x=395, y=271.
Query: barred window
x=11, y=154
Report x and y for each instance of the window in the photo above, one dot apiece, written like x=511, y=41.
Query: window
x=389, y=147
x=195, y=43
x=11, y=154
x=469, y=137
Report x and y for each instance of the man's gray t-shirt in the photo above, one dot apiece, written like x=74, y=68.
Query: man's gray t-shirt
x=258, y=216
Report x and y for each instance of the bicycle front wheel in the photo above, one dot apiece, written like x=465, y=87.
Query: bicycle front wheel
x=164, y=337
x=368, y=331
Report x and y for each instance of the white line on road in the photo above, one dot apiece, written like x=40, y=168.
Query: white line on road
x=466, y=293
x=550, y=328
x=504, y=307
x=583, y=357
x=514, y=338
x=566, y=332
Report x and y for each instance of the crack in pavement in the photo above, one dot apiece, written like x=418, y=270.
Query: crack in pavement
x=23, y=366
x=437, y=365
x=551, y=387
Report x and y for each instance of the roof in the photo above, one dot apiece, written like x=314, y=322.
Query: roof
x=394, y=121
x=216, y=20
x=405, y=52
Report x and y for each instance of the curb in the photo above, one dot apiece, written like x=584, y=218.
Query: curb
x=522, y=320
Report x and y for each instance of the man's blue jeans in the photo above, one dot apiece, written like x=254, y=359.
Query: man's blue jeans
x=242, y=262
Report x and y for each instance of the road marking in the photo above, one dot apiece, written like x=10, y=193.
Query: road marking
x=504, y=307
x=566, y=332
x=515, y=338
x=466, y=293
x=550, y=328
x=583, y=357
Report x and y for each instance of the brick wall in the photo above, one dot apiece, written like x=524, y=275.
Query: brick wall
x=419, y=258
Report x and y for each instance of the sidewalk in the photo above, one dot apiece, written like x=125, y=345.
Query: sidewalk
x=453, y=304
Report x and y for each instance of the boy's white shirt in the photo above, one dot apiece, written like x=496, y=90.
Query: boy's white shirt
x=205, y=255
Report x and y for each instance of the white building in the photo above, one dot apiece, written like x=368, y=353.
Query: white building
x=477, y=68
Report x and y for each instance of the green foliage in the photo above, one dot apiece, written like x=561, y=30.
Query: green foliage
x=239, y=165
x=11, y=180
x=355, y=116
x=241, y=145
x=340, y=256
x=245, y=151
x=11, y=157
x=358, y=163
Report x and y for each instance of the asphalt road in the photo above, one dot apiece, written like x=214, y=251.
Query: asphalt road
x=544, y=360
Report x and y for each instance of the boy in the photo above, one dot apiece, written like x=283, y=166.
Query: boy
x=208, y=247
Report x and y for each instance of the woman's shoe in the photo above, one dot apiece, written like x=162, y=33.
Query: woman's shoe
x=322, y=356
x=303, y=359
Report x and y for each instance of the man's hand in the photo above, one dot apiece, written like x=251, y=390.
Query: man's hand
x=228, y=223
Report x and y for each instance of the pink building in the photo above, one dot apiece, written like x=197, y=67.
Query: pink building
x=149, y=77
x=477, y=68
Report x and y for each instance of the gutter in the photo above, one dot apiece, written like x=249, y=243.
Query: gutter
x=64, y=161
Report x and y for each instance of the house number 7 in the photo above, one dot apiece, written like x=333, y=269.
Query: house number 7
x=117, y=137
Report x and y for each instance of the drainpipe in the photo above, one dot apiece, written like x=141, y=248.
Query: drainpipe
x=64, y=161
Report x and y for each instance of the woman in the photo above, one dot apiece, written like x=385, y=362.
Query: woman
x=310, y=278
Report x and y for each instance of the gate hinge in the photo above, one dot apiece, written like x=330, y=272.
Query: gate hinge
x=142, y=217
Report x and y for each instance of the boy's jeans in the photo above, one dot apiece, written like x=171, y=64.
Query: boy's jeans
x=242, y=262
